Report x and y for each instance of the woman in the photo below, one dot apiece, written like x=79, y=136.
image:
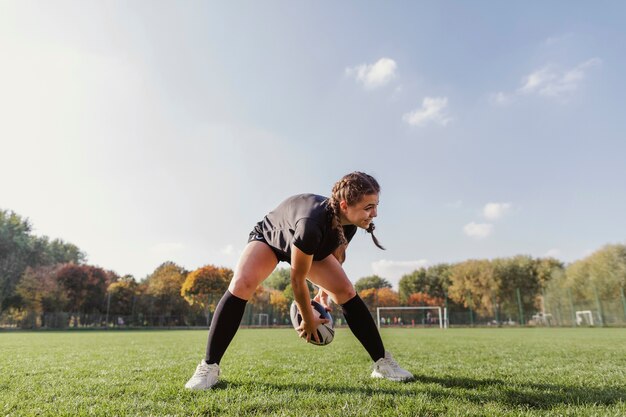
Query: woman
x=310, y=232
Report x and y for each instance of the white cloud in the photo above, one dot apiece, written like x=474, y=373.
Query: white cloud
x=374, y=75
x=394, y=270
x=549, y=82
x=432, y=110
x=495, y=211
x=553, y=253
x=478, y=230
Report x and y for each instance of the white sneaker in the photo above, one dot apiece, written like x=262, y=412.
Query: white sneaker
x=205, y=377
x=388, y=368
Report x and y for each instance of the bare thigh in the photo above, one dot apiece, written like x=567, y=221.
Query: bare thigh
x=255, y=264
x=329, y=274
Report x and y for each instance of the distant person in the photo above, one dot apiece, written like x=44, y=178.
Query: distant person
x=312, y=233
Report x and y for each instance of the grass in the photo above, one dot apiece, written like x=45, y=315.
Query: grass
x=459, y=372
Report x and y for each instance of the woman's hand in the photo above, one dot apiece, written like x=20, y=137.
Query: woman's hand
x=322, y=298
x=309, y=328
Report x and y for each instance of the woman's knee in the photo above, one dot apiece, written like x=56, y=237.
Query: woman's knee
x=344, y=293
x=243, y=286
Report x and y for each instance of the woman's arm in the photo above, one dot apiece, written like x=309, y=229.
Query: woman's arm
x=300, y=266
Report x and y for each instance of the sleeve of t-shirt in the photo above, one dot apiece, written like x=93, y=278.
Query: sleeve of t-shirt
x=349, y=232
x=307, y=235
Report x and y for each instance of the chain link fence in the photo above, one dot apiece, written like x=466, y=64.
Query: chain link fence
x=557, y=307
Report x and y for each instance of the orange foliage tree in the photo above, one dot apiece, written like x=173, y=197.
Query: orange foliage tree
x=279, y=302
x=205, y=285
x=423, y=299
x=379, y=297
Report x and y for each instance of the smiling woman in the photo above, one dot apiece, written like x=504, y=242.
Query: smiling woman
x=311, y=232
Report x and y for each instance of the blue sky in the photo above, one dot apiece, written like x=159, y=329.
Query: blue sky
x=152, y=131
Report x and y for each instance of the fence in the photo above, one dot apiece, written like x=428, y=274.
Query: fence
x=558, y=307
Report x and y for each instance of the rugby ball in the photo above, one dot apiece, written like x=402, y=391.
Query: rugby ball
x=325, y=331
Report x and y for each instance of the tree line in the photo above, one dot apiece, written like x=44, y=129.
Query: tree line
x=40, y=277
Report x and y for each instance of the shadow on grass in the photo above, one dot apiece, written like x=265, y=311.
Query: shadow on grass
x=479, y=391
x=531, y=395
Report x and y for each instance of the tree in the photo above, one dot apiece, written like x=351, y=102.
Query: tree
x=279, y=279
x=379, y=297
x=387, y=297
x=423, y=299
x=433, y=281
x=279, y=302
x=20, y=250
x=602, y=273
x=123, y=294
x=373, y=281
x=15, y=252
x=205, y=285
x=607, y=269
x=288, y=292
x=516, y=275
x=165, y=285
x=39, y=293
x=46, y=252
x=474, y=285
x=85, y=287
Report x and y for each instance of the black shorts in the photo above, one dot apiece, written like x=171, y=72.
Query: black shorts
x=256, y=235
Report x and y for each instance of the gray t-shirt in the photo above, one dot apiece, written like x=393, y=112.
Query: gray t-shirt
x=303, y=220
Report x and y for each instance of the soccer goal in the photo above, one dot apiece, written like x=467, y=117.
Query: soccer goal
x=261, y=320
x=442, y=314
x=584, y=317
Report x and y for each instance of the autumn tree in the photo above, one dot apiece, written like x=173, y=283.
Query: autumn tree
x=387, y=297
x=518, y=281
x=423, y=299
x=433, y=281
x=123, y=293
x=601, y=274
x=84, y=286
x=205, y=285
x=474, y=285
x=39, y=293
x=379, y=297
x=607, y=271
x=279, y=302
x=165, y=285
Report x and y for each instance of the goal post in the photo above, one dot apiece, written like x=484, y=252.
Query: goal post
x=262, y=317
x=583, y=316
x=441, y=311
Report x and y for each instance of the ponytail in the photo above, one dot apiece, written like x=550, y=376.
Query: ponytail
x=370, y=230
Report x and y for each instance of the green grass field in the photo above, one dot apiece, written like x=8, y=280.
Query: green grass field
x=472, y=372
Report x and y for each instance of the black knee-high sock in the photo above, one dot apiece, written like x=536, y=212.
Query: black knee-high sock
x=363, y=327
x=224, y=325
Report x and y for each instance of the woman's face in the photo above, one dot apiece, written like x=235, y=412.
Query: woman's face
x=361, y=213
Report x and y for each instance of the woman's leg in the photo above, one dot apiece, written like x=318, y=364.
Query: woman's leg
x=256, y=263
x=329, y=275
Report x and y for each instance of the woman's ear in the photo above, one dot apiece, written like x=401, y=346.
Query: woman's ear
x=343, y=205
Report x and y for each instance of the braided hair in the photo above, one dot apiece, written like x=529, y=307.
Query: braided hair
x=351, y=188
